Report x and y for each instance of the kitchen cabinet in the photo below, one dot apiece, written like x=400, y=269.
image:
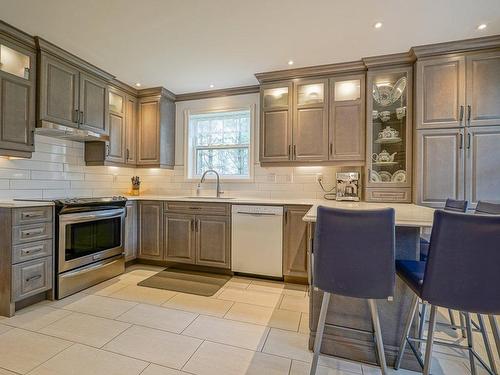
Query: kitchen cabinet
x=17, y=97
x=310, y=120
x=71, y=92
x=130, y=235
x=150, y=222
x=295, y=262
x=389, y=130
x=459, y=90
x=347, y=118
x=120, y=150
x=198, y=233
x=156, y=130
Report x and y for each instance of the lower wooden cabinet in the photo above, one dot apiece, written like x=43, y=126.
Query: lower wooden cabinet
x=295, y=242
x=150, y=230
x=179, y=238
x=130, y=236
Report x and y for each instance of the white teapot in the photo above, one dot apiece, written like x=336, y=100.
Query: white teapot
x=383, y=157
x=388, y=132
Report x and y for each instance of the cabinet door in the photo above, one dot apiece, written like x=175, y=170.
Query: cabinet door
x=483, y=164
x=17, y=109
x=295, y=242
x=310, y=122
x=179, y=238
x=440, y=92
x=151, y=230
x=93, y=104
x=213, y=241
x=276, y=122
x=149, y=132
x=131, y=130
x=483, y=93
x=440, y=166
x=116, y=151
x=59, y=92
x=347, y=119
x=130, y=236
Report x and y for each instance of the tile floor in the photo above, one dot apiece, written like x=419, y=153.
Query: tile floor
x=118, y=328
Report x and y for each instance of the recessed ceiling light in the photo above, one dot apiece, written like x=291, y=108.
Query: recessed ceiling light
x=137, y=84
x=482, y=26
x=290, y=62
x=377, y=25
x=212, y=86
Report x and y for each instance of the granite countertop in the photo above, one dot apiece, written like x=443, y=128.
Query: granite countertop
x=233, y=200
x=10, y=203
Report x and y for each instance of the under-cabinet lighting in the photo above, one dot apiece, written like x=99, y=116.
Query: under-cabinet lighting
x=137, y=84
x=290, y=62
x=377, y=25
x=482, y=26
x=211, y=86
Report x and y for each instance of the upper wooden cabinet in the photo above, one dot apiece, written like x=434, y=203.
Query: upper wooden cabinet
x=71, y=92
x=347, y=118
x=17, y=94
x=458, y=90
x=156, y=130
x=120, y=149
x=306, y=120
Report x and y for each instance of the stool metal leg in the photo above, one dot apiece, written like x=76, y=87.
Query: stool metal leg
x=430, y=341
x=496, y=332
x=406, y=331
x=452, y=318
x=487, y=346
x=319, y=332
x=462, y=323
x=470, y=344
x=378, y=335
x=422, y=320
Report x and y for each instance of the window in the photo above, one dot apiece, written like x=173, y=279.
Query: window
x=220, y=141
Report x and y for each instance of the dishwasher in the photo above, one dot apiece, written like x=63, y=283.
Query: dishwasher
x=257, y=240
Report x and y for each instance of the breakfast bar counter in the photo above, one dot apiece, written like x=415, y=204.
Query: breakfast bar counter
x=354, y=313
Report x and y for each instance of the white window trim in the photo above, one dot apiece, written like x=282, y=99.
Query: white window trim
x=189, y=150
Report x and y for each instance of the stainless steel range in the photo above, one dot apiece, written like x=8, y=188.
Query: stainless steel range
x=89, y=242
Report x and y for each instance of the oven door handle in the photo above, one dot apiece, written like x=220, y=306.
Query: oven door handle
x=78, y=217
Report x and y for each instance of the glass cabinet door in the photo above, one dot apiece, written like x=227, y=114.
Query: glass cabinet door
x=276, y=97
x=14, y=62
x=311, y=93
x=115, y=102
x=389, y=118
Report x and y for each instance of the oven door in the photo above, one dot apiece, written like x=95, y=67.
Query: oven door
x=88, y=237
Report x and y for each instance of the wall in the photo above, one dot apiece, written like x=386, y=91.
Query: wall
x=57, y=169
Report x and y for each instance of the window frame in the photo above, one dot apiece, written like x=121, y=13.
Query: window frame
x=190, y=149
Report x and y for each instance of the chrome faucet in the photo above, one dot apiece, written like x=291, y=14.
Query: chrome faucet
x=218, y=191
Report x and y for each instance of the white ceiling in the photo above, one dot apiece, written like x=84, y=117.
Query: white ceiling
x=186, y=45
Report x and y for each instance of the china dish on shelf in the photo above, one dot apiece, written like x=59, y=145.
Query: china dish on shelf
x=388, y=140
x=374, y=176
x=388, y=135
x=385, y=176
x=399, y=176
x=398, y=89
x=400, y=112
x=384, y=157
x=387, y=94
x=385, y=116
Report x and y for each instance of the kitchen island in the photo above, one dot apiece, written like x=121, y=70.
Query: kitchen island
x=354, y=313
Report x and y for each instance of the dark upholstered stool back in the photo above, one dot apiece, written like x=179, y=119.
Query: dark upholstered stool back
x=488, y=208
x=354, y=252
x=455, y=205
x=463, y=269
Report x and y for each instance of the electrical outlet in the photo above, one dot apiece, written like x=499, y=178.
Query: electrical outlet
x=319, y=177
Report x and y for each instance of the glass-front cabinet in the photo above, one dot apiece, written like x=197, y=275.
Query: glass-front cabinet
x=389, y=131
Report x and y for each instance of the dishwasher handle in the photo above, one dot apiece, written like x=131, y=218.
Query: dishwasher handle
x=256, y=213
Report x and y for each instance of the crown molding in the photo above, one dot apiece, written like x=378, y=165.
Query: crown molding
x=485, y=42
x=16, y=35
x=311, y=71
x=124, y=87
x=156, y=91
x=405, y=58
x=218, y=93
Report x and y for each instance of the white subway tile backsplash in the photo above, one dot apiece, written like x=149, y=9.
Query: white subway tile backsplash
x=15, y=174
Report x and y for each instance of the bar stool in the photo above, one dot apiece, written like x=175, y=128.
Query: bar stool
x=451, y=205
x=489, y=208
x=461, y=274
x=354, y=257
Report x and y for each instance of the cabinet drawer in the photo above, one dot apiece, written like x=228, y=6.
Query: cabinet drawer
x=32, y=250
x=30, y=278
x=29, y=215
x=198, y=208
x=33, y=232
x=388, y=195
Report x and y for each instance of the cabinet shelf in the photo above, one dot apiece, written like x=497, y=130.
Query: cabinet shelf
x=388, y=140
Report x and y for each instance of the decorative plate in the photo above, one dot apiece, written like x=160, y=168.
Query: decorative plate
x=385, y=176
x=399, y=176
x=398, y=89
x=382, y=94
x=374, y=176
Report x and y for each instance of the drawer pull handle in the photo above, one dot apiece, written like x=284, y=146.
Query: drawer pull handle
x=36, y=277
x=34, y=232
x=29, y=215
x=32, y=250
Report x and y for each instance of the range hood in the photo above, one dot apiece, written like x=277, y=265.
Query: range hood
x=51, y=129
